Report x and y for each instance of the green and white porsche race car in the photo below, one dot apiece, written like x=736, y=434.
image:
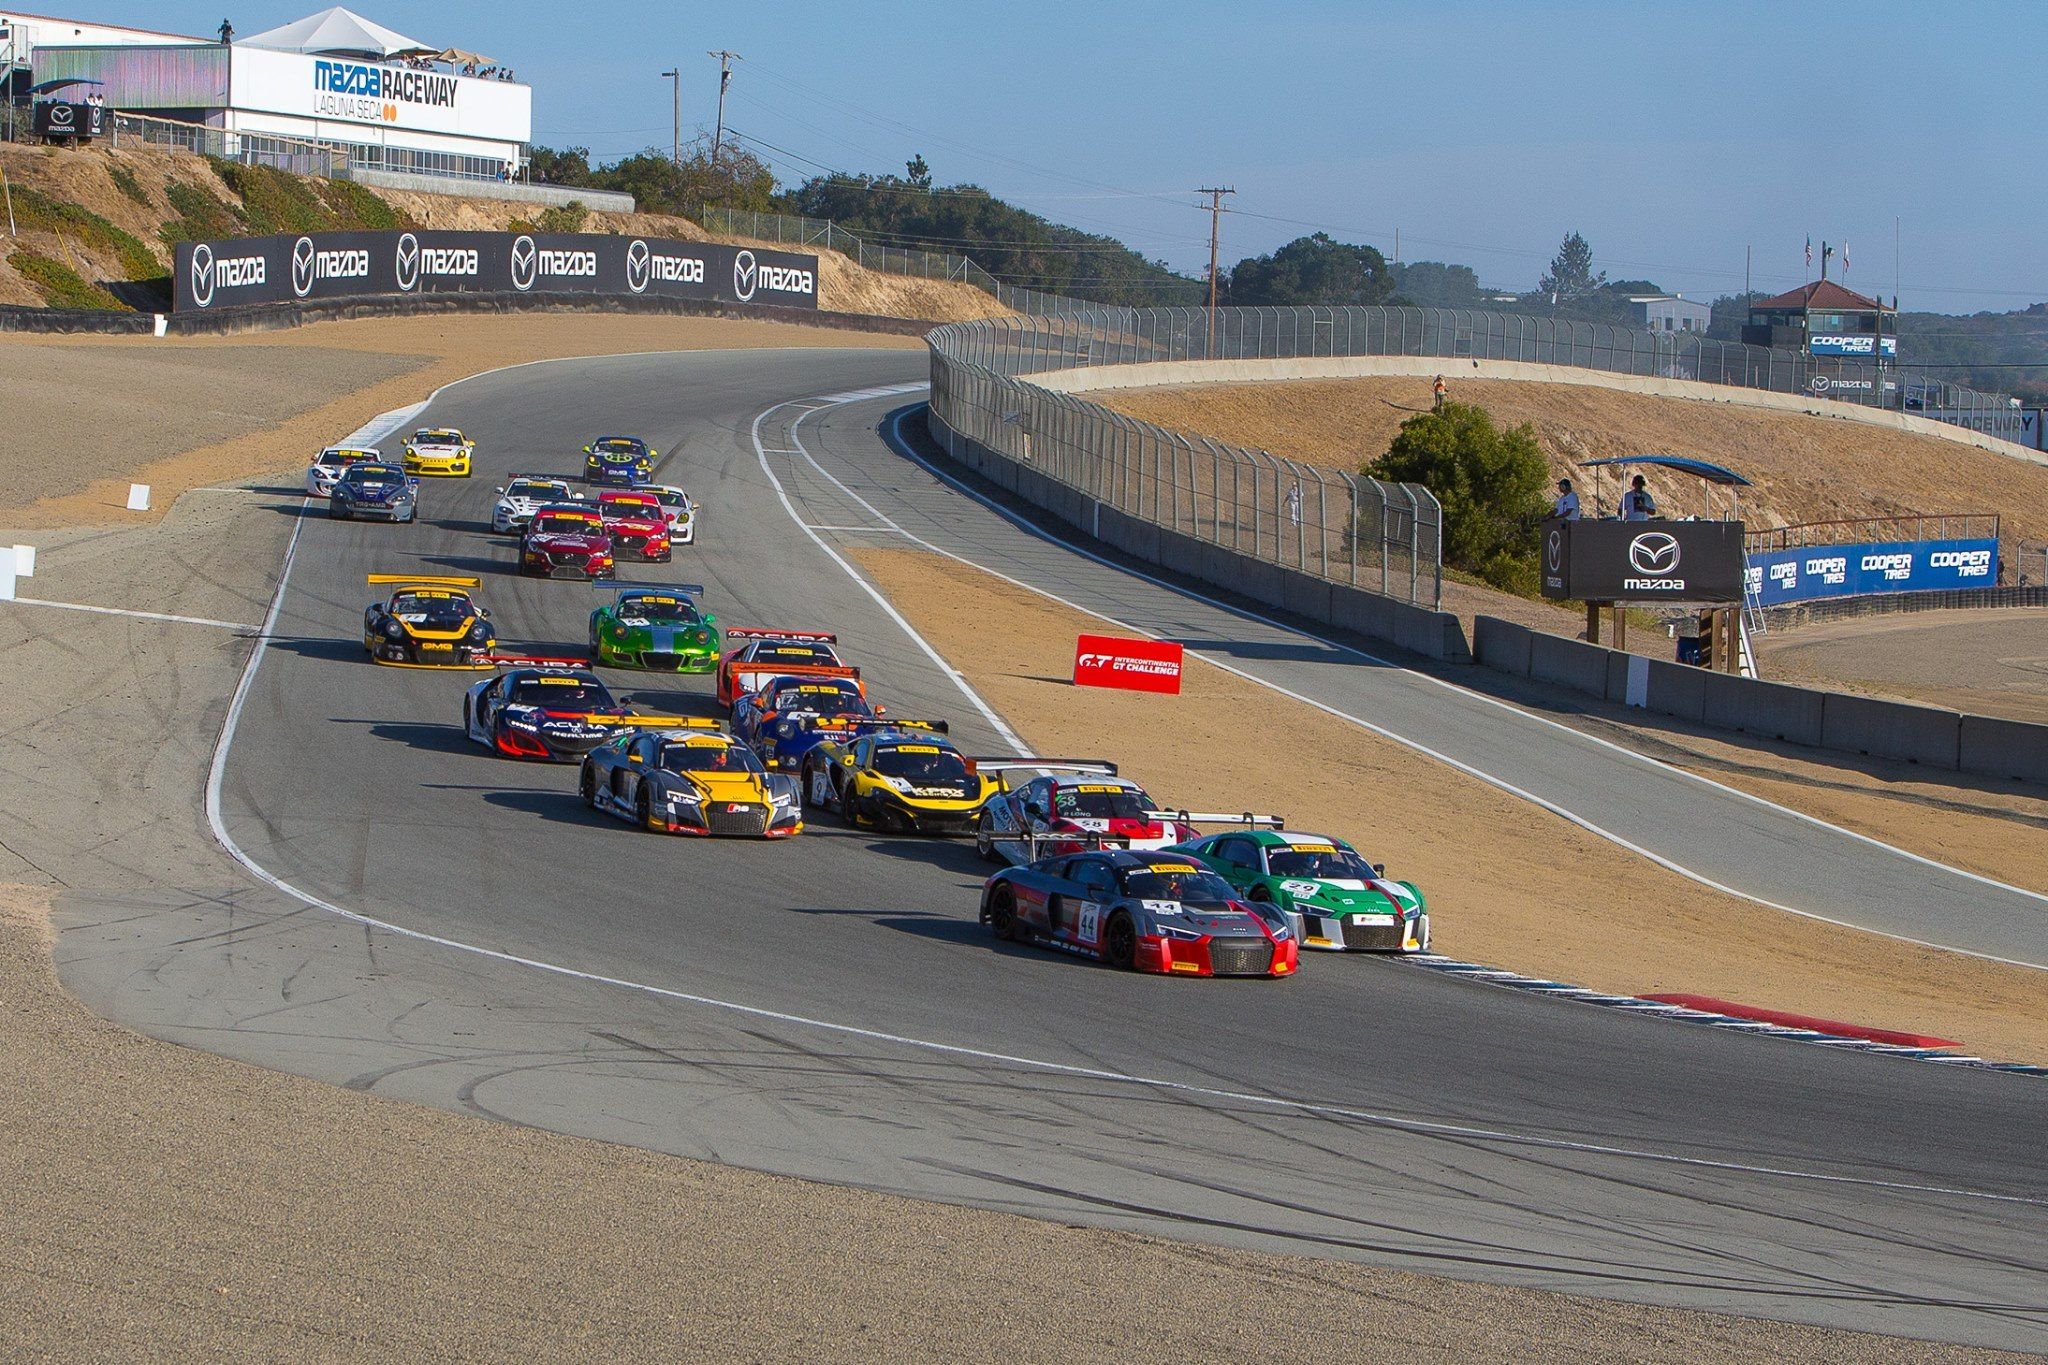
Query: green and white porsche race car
x=655, y=626
x=1332, y=897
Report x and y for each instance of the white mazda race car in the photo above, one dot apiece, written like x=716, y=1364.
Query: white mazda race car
x=523, y=496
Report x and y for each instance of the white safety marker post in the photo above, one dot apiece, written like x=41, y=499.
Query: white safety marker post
x=163, y=325
x=6, y=578
x=138, y=497
x=24, y=561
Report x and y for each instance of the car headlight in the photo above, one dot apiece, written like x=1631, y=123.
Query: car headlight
x=529, y=726
x=784, y=798
x=394, y=630
x=479, y=632
x=700, y=636
x=1177, y=932
x=784, y=729
x=678, y=797
x=901, y=784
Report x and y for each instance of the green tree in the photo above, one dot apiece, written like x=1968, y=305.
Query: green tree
x=1312, y=270
x=1433, y=284
x=916, y=173
x=1571, y=271
x=559, y=166
x=1490, y=483
x=738, y=179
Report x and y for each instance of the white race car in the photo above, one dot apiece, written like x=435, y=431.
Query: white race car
x=680, y=510
x=1074, y=805
x=329, y=464
x=526, y=493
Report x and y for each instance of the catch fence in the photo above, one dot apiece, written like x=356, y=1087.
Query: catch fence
x=1352, y=529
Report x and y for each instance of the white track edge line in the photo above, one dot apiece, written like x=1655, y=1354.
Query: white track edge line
x=134, y=612
x=1419, y=1127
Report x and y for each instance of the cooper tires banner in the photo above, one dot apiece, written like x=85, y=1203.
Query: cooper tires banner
x=340, y=265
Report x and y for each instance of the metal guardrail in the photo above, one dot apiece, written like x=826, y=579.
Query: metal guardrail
x=1352, y=529
x=1899, y=603
x=1859, y=530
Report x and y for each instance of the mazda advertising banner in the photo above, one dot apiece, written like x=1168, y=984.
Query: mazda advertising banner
x=1815, y=571
x=340, y=265
x=1642, y=561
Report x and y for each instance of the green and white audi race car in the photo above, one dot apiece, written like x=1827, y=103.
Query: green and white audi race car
x=658, y=627
x=1332, y=897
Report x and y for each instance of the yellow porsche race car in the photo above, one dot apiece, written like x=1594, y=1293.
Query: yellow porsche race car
x=428, y=622
x=693, y=779
x=439, y=452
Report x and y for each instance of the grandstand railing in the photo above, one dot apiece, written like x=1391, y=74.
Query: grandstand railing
x=1865, y=530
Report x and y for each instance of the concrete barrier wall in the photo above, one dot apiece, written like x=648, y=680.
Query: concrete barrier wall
x=1434, y=634
x=1871, y=726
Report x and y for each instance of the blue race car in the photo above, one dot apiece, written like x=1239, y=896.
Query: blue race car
x=381, y=491
x=807, y=692
x=622, y=461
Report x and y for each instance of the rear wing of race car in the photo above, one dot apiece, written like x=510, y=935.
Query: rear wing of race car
x=1246, y=818
x=619, y=589
x=425, y=580
x=749, y=679
x=881, y=725
x=1005, y=768
x=816, y=637
x=653, y=722
x=508, y=659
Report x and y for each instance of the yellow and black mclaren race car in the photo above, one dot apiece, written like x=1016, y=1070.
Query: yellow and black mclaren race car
x=428, y=622
x=691, y=779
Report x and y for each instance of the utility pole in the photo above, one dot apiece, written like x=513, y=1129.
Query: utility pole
x=725, y=61
x=1215, y=193
x=676, y=146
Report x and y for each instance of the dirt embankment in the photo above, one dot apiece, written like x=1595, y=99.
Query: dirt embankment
x=1534, y=894
x=96, y=226
x=90, y=415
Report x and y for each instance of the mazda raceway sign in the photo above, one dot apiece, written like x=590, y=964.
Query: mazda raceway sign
x=340, y=265
x=1643, y=561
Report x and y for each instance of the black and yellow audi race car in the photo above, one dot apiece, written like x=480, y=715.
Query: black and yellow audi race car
x=903, y=776
x=691, y=778
x=428, y=622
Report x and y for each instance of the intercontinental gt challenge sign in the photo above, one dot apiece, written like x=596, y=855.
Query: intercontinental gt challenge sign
x=338, y=265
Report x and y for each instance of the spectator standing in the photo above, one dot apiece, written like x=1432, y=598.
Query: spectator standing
x=1567, y=504
x=1637, y=504
x=1438, y=389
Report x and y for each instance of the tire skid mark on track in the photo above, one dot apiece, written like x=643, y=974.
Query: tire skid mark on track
x=1185, y=1091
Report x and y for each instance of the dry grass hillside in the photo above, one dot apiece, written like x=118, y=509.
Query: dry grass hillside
x=1805, y=468
x=93, y=228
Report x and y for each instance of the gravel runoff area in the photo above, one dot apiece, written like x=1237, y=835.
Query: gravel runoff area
x=172, y=1203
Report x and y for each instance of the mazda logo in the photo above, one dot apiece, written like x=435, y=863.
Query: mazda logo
x=408, y=262
x=525, y=263
x=637, y=260
x=1654, y=552
x=202, y=275
x=1820, y=383
x=60, y=114
x=302, y=266
x=1553, y=553
x=744, y=274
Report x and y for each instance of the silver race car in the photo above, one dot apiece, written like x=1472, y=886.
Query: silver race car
x=525, y=494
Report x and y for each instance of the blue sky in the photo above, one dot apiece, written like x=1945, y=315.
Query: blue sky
x=1670, y=135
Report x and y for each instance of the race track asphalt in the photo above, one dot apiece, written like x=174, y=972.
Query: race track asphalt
x=828, y=1007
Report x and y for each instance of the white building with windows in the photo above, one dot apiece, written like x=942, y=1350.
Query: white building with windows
x=333, y=81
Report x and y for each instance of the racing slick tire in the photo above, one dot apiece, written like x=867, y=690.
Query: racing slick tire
x=586, y=786
x=643, y=811
x=1002, y=913
x=985, y=841
x=335, y=513
x=1120, y=943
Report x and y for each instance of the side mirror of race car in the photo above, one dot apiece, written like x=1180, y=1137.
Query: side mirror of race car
x=501, y=489
x=1379, y=869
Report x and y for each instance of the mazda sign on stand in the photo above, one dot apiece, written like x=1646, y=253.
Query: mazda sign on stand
x=1643, y=561
x=338, y=265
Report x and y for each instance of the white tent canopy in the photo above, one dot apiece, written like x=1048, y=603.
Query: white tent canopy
x=337, y=32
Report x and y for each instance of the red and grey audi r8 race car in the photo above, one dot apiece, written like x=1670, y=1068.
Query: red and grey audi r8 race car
x=1081, y=804
x=1148, y=912
x=764, y=654
x=636, y=524
x=566, y=540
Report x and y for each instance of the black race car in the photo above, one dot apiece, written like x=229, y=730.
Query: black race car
x=554, y=714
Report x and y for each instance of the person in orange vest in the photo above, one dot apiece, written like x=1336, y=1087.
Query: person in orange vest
x=1438, y=389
